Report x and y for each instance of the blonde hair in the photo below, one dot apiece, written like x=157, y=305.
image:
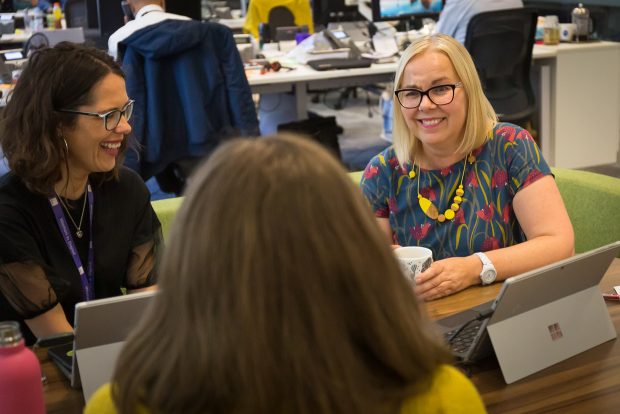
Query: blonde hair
x=481, y=117
x=277, y=294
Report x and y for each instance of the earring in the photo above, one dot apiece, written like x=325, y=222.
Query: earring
x=66, y=145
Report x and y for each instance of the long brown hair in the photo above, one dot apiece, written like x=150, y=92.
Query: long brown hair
x=62, y=77
x=277, y=294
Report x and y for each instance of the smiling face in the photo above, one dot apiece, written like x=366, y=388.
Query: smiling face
x=439, y=127
x=92, y=148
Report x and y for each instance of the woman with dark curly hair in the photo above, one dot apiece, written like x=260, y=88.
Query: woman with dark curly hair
x=74, y=224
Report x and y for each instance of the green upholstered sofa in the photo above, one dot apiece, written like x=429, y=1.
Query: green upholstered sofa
x=592, y=201
x=166, y=210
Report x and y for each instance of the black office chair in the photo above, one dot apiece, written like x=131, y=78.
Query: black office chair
x=36, y=42
x=279, y=16
x=76, y=13
x=500, y=43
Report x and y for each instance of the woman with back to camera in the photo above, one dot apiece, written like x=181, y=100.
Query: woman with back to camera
x=63, y=132
x=278, y=294
x=460, y=183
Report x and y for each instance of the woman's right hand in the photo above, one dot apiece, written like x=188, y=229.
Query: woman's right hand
x=448, y=276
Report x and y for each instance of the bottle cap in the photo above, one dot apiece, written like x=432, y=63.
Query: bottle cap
x=580, y=10
x=10, y=334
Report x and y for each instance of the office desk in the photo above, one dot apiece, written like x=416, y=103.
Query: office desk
x=586, y=383
x=579, y=103
x=578, y=98
x=304, y=79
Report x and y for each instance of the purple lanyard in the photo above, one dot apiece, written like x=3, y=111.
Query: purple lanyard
x=87, y=278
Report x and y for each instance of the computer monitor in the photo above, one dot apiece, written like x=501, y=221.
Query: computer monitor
x=97, y=18
x=110, y=17
x=79, y=14
x=189, y=8
x=327, y=11
x=382, y=10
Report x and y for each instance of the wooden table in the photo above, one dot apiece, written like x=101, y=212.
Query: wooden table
x=586, y=383
x=60, y=398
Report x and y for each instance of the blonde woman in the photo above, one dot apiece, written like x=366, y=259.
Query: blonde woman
x=475, y=191
x=278, y=294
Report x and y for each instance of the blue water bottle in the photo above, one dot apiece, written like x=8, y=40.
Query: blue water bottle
x=387, y=108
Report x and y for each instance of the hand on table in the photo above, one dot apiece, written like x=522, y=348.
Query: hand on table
x=445, y=277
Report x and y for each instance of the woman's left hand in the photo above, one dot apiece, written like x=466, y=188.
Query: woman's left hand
x=447, y=276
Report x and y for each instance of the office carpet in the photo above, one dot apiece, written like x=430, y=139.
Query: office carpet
x=361, y=122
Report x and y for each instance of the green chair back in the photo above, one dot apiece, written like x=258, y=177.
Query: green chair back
x=592, y=202
x=166, y=210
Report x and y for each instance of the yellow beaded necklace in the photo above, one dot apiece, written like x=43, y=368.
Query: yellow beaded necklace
x=427, y=205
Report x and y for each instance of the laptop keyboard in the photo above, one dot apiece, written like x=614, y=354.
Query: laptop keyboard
x=463, y=340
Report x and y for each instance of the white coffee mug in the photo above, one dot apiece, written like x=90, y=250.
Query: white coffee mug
x=413, y=260
x=567, y=31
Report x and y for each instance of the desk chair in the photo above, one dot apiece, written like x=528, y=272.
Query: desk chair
x=500, y=43
x=279, y=16
x=260, y=11
x=36, y=42
x=590, y=201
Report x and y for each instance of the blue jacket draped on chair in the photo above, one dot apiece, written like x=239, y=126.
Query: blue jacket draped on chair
x=191, y=92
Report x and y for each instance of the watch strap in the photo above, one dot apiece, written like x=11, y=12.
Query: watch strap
x=484, y=259
x=488, y=272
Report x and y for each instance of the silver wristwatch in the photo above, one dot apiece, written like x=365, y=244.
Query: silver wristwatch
x=488, y=273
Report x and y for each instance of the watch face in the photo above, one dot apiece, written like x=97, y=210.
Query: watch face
x=488, y=276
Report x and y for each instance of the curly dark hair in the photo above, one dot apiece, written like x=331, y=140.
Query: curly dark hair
x=53, y=78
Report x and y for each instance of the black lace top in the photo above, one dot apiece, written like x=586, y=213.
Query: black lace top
x=36, y=268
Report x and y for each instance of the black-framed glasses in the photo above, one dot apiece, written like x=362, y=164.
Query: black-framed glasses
x=111, y=118
x=411, y=98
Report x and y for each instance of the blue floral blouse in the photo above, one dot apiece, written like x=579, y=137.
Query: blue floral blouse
x=508, y=161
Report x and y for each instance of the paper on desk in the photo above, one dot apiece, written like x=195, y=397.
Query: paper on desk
x=385, y=46
x=287, y=45
x=617, y=289
x=304, y=52
x=272, y=54
x=377, y=55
